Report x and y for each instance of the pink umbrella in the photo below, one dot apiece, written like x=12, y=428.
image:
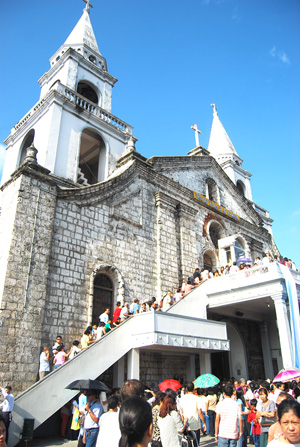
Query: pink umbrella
x=286, y=375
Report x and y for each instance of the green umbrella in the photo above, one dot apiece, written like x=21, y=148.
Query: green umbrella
x=206, y=381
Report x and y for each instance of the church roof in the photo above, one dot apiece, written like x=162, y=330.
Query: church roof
x=219, y=142
x=83, y=33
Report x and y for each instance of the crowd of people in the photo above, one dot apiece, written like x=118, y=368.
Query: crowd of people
x=105, y=324
x=233, y=413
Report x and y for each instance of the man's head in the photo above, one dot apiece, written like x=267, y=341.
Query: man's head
x=228, y=390
x=45, y=349
x=8, y=389
x=190, y=387
x=132, y=387
x=59, y=339
x=242, y=382
x=107, y=310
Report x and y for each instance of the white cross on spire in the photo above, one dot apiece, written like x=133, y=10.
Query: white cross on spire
x=88, y=5
x=214, y=107
x=197, y=131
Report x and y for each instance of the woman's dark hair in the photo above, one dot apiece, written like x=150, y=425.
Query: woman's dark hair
x=263, y=391
x=76, y=343
x=59, y=348
x=160, y=395
x=167, y=406
x=135, y=418
x=240, y=395
x=286, y=405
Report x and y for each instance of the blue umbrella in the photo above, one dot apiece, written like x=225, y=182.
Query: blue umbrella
x=206, y=381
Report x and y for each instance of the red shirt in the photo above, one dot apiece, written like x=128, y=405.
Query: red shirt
x=117, y=313
x=256, y=425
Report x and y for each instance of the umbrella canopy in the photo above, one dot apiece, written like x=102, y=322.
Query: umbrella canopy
x=285, y=375
x=243, y=259
x=169, y=383
x=206, y=381
x=87, y=384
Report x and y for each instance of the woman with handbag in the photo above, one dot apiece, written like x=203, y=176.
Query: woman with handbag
x=266, y=416
x=170, y=423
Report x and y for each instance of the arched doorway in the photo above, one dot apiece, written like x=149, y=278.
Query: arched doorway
x=237, y=354
x=103, y=296
x=28, y=140
x=216, y=232
x=207, y=262
x=92, y=158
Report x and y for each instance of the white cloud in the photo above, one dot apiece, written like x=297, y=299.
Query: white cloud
x=279, y=55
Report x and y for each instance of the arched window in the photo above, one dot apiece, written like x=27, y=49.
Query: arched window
x=103, y=296
x=212, y=192
x=216, y=232
x=207, y=262
x=92, y=158
x=241, y=187
x=87, y=91
x=28, y=140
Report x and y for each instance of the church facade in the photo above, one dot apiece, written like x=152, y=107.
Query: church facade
x=87, y=221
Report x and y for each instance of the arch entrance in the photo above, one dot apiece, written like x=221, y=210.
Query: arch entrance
x=102, y=296
x=92, y=158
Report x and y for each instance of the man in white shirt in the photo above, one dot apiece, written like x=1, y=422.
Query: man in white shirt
x=7, y=406
x=44, y=368
x=190, y=408
x=104, y=317
x=93, y=411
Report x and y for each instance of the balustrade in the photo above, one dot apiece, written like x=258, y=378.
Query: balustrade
x=81, y=102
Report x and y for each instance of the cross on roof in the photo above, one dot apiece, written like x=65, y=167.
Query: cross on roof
x=88, y=5
x=214, y=107
x=197, y=131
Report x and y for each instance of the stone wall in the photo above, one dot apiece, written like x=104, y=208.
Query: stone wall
x=24, y=294
x=158, y=366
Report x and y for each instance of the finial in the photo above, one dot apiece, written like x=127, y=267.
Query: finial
x=30, y=157
x=130, y=145
x=214, y=107
x=197, y=131
x=88, y=5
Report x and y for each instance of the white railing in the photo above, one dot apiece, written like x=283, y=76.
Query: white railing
x=82, y=103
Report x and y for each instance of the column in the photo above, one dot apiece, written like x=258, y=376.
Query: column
x=133, y=364
x=190, y=368
x=266, y=347
x=118, y=373
x=205, y=362
x=284, y=330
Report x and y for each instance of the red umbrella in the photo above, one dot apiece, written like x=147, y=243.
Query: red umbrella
x=285, y=375
x=169, y=383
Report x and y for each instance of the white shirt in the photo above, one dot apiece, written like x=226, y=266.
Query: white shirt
x=109, y=433
x=124, y=311
x=8, y=403
x=44, y=364
x=104, y=317
x=190, y=407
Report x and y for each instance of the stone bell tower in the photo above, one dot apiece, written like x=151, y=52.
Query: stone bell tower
x=72, y=126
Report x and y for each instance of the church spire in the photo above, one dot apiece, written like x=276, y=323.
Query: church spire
x=83, y=33
x=220, y=145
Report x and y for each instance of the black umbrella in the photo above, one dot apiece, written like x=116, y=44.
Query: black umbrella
x=87, y=384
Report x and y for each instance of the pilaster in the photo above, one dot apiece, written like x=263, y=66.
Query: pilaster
x=205, y=362
x=133, y=364
x=266, y=348
x=284, y=330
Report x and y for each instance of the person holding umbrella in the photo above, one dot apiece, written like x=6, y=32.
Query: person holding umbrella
x=93, y=411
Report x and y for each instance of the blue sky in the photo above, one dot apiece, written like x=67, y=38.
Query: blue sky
x=173, y=59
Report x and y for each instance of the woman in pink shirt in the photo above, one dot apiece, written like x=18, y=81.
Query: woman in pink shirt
x=60, y=357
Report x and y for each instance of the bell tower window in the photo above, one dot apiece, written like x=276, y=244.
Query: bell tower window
x=87, y=91
x=92, y=158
